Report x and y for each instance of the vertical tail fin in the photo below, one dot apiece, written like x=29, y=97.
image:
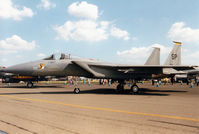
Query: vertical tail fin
x=154, y=58
x=174, y=57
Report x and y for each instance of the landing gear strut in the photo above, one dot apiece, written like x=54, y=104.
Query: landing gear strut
x=76, y=90
x=30, y=84
x=120, y=87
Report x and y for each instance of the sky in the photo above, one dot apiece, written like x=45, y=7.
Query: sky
x=122, y=31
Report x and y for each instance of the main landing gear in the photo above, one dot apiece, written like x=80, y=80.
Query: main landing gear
x=134, y=88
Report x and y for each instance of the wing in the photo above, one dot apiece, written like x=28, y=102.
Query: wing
x=147, y=67
x=103, y=70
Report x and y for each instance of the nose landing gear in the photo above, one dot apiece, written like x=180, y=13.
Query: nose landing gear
x=30, y=84
x=76, y=90
x=135, y=89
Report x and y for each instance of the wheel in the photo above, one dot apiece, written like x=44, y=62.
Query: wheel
x=30, y=85
x=135, y=89
x=76, y=90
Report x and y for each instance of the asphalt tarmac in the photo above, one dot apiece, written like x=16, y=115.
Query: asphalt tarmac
x=98, y=109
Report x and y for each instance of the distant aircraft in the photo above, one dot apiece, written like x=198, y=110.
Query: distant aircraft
x=67, y=66
x=193, y=74
x=187, y=75
x=2, y=73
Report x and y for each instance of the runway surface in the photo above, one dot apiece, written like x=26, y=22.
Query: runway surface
x=98, y=109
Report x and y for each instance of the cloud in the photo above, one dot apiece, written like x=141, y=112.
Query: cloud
x=41, y=55
x=46, y=4
x=15, y=44
x=4, y=60
x=190, y=57
x=139, y=55
x=10, y=11
x=2, y=52
x=83, y=30
x=83, y=10
x=89, y=28
x=18, y=56
x=179, y=32
x=118, y=33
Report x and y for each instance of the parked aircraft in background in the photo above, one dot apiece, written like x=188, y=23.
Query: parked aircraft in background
x=189, y=75
x=66, y=66
x=2, y=73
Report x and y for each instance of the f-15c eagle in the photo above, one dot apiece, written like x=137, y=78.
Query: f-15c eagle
x=67, y=66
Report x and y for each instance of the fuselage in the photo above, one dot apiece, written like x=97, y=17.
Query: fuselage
x=91, y=69
x=66, y=67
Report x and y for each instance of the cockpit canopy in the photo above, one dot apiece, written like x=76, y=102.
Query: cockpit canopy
x=53, y=57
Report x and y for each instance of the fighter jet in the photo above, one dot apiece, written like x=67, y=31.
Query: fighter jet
x=154, y=59
x=189, y=75
x=67, y=66
x=2, y=73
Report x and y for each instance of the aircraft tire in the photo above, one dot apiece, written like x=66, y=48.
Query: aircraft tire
x=76, y=90
x=30, y=85
x=135, y=89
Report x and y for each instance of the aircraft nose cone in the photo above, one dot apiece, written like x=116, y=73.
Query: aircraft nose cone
x=19, y=69
x=10, y=69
